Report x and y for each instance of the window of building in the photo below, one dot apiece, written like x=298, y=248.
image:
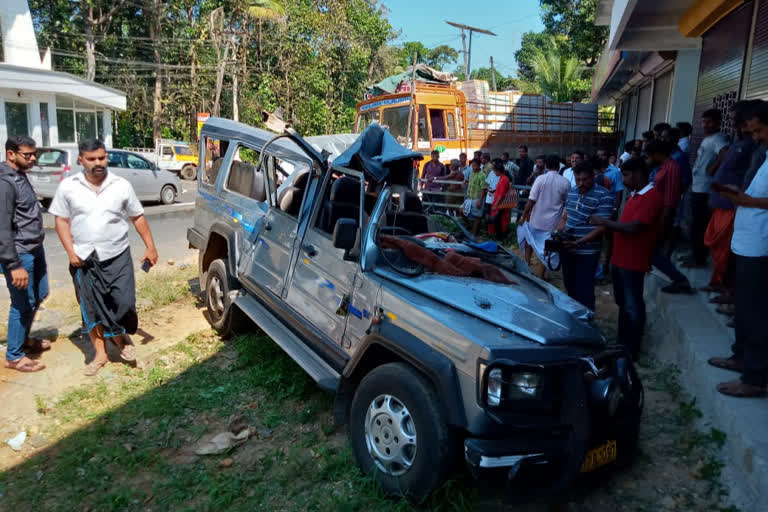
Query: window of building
x=45, y=124
x=78, y=121
x=85, y=125
x=16, y=119
x=66, y=122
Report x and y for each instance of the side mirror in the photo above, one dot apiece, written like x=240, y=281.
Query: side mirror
x=345, y=234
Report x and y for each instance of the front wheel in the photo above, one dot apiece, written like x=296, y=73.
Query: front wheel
x=398, y=432
x=188, y=172
x=225, y=318
x=168, y=195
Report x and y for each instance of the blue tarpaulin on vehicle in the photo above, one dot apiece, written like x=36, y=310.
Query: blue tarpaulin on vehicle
x=377, y=153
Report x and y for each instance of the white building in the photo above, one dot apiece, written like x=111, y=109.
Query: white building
x=49, y=106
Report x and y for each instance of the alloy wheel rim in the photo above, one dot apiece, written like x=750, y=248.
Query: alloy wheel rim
x=216, y=297
x=390, y=435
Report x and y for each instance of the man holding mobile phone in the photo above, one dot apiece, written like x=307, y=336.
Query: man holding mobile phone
x=92, y=209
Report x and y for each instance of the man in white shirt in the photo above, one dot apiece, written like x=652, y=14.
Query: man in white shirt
x=749, y=247
x=92, y=209
x=711, y=152
x=576, y=158
x=543, y=212
x=684, y=142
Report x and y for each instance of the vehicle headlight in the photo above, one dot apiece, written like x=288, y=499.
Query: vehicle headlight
x=516, y=386
x=495, y=383
x=524, y=386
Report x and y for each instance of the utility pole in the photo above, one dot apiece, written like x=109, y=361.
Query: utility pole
x=466, y=56
x=468, y=53
x=493, y=75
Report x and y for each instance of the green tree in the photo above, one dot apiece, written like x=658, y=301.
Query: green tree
x=438, y=57
x=530, y=44
x=575, y=19
x=557, y=75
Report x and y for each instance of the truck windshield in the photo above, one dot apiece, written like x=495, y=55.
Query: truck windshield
x=183, y=150
x=365, y=119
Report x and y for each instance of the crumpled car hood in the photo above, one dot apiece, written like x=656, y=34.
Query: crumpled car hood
x=524, y=308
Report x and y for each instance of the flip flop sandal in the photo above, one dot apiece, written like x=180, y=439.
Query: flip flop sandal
x=127, y=350
x=740, y=389
x=25, y=366
x=35, y=345
x=92, y=368
x=726, y=363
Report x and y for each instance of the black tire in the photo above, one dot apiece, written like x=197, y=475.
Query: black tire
x=431, y=454
x=168, y=194
x=224, y=317
x=188, y=172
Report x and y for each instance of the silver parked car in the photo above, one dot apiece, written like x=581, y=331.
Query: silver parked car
x=150, y=183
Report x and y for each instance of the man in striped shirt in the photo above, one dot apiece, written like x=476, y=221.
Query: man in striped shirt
x=580, y=260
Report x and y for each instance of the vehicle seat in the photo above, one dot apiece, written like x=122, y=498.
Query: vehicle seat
x=289, y=199
x=244, y=177
x=410, y=216
x=344, y=203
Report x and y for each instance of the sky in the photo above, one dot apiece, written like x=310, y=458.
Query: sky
x=424, y=20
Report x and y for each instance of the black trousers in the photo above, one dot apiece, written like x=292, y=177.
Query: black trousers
x=701, y=216
x=628, y=292
x=579, y=276
x=751, y=300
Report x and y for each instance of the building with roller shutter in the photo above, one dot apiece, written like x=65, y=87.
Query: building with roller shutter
x=670, y=60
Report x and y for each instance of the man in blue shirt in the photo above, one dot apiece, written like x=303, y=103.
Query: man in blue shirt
x=580, y=260
x=750, y=252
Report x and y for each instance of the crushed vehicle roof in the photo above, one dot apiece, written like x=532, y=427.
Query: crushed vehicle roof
x=376, y=152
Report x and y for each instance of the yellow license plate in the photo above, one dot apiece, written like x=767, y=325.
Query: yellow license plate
x=599, y=457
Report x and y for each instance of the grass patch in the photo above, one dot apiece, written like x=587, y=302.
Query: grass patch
x=163, y=287
x=126, y=443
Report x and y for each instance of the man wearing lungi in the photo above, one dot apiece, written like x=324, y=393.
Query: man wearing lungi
x=92, y=209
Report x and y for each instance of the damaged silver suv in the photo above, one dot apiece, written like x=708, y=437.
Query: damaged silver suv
x=434, y=345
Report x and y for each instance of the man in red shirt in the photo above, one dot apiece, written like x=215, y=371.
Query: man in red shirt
x=666, y=181
x=634, y=240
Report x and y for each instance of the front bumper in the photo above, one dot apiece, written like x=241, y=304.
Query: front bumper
x=583, y=422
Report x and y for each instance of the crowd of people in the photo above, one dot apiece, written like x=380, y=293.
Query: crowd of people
x=616, y=217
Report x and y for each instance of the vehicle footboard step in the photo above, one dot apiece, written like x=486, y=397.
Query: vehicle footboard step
x=325, y=376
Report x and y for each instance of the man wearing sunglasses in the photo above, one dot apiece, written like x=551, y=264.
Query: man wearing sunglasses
x=22, y=259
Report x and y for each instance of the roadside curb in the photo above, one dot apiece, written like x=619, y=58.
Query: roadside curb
x=150, y=211
x=686, y=331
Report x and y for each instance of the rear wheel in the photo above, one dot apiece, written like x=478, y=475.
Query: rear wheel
x=188, y=172
x=168, y=195
x=399, y=433
x=222, y=315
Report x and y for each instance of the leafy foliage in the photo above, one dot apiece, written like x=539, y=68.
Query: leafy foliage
x=312, y=58
x=575, y=19
x=557, y=75
x=438, y=57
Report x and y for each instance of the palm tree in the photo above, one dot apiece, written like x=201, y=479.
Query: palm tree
x=558, y=76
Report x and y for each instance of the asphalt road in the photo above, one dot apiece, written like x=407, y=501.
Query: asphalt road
x=169, y=229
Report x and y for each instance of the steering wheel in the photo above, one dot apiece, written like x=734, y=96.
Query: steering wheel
x=395, y=230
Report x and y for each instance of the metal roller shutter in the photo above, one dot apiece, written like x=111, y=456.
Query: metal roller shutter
x=661, y=90
x=722, y=62
x=757, y=86
x=631, y=116
x=643, y=111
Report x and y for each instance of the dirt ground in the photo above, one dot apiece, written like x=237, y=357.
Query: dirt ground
x=126, y=440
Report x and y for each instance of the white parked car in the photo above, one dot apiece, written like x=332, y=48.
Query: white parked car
x=150, y=183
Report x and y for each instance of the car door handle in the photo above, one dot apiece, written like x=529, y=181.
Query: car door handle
x=309, y=250
x=267, y=226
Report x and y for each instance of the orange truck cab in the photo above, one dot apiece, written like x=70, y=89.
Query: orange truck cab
x=437, y=119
